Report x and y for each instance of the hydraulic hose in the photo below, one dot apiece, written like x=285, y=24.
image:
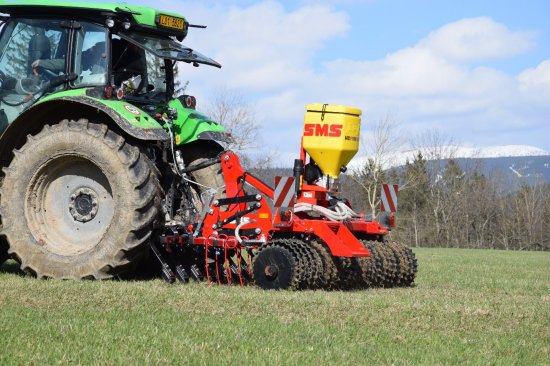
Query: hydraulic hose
x=341, y=211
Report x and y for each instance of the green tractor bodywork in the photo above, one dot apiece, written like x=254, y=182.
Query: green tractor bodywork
x=187, y=126
x=142, y=16
x=97, y=151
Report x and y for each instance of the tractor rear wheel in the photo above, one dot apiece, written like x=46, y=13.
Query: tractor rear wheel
x=79, y=201
x=4, y=256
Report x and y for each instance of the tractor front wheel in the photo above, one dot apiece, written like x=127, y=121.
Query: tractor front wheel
x=208, y=178
x=79, y=201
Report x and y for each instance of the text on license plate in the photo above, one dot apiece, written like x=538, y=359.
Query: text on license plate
x=171, y=22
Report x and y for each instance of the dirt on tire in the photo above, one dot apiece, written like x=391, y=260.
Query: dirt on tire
x=79, y=201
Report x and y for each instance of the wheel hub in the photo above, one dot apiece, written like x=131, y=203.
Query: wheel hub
x=271, y=272
x=83, y=204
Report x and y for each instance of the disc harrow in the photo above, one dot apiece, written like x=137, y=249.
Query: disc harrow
x=390, y=265
x=290, y=263
x=246, y=238
x=329, y=272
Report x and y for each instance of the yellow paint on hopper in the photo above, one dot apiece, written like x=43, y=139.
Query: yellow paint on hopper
x=331, y=135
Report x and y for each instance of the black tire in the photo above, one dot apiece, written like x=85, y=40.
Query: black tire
x=199, y=152
x=78, y=201
x=274, y=268
x=4, y=256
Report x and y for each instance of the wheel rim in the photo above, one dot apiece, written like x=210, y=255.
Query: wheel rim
x=69, y=205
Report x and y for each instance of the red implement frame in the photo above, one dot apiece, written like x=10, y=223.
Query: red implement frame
x=243, y=221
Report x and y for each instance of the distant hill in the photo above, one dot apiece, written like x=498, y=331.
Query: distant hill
x=456, y=152
x=516, y=164
x=514, y=170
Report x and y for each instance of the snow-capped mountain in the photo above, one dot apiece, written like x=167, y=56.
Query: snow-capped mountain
x=515, y=163
x=454, y=152
x=500, y=151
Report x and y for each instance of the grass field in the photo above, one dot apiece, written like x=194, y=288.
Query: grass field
x=468, y=307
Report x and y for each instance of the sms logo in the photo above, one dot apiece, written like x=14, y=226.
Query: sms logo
x=316, y=129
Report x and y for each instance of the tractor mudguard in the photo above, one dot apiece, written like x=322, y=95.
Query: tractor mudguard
x=128, y=117
x=70, y=105
x=191, y=125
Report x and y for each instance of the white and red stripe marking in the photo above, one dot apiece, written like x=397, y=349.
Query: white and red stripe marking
x=388, y=197
x=284, y=192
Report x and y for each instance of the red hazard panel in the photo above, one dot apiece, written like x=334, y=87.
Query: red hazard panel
x=388, y=201
x=284, y=192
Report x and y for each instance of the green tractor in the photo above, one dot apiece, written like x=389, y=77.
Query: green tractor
x=94, y=134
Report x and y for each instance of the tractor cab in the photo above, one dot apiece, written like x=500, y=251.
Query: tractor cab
x=108, y=51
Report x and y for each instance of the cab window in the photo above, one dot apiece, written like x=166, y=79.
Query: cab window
x=32, y=52
x=90, y=55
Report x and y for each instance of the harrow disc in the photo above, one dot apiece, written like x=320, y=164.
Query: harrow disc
x=372, y=269
x=275, y=268
x=329, y=273
x=348, y=272
x=408, y=263
x=389, y=263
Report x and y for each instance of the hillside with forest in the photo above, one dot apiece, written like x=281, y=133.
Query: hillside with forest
x=475, y=203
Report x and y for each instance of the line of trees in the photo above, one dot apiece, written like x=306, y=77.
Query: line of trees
x=445, y=204
x=442, y=204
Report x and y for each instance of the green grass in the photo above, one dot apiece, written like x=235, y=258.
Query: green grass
x=469, y=307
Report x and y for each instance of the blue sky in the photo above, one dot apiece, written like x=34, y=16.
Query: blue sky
x=381, y=27
x=476, y=71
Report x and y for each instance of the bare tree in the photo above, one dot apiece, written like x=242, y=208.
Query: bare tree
x=435, y=147
x=379, y=148
x=450, y=202
x=239, y=118
x=383, y=141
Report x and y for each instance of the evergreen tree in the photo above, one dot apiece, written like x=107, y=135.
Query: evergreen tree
x=413, y=199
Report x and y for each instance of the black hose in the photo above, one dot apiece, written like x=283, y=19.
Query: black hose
x=202, y=165
x=17, y=104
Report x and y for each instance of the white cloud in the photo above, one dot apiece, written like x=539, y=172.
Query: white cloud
x=269, y=53
x=263, y=46
x=474, y=39
x=411, y=71
x=536, y=80
x=433, y=88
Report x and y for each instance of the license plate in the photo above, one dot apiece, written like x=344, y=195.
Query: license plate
x=171, y=22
